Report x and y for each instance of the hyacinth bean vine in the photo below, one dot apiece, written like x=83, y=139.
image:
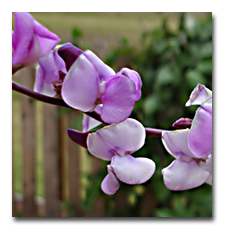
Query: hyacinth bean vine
x=70, y=77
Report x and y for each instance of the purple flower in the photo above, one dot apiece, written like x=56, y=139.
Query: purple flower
x=199, y=95
x=50, y=72
x=92, y=85
x=200, y=137
x=30, y=40
x=115, y=143
x=192, y=147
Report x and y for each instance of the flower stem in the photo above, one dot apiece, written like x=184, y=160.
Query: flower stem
x=51, y=100
x=153, y=132
x=55, y=101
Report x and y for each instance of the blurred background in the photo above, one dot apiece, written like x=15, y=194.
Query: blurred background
x=52, y=176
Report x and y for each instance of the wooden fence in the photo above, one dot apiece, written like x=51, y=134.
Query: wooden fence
x=39, y=131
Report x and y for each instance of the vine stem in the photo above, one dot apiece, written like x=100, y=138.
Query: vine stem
x=21, y=89
x=51, y=100
x=154, y=132
x=56, y=101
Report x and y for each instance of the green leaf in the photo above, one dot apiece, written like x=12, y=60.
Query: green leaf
x=194, y=77
x=205, y=67
x=151, y=104
x=206, y=50
x=164, y=76
x=164, y=212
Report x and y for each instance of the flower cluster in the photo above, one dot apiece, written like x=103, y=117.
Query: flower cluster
x=192, y=147
x=91, y=85
x=85, y=83
x=116, y=143
x=79, y=77
x=30, y=40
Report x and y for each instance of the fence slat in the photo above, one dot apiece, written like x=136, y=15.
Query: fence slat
x=13, y=168
x=74, y=170
x=63, y=155
x=28, y=119
x=51, y=160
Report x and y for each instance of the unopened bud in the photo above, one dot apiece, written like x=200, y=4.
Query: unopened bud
x=69, y=53
x=182, y=123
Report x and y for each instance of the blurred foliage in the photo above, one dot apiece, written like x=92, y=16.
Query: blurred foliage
x=170, y=63
x=76, y=35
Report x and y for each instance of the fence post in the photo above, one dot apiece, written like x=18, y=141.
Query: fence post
x=63, y=155
x=28, y=119
x=74, y=170
x=51, y=160
x=13, y=171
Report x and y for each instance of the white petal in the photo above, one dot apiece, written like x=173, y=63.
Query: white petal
x=132, y=170
x=128, y=135
x=98, y=147
x=176, y=142
x=183, y=175
x=207, y=165
x=110, y=184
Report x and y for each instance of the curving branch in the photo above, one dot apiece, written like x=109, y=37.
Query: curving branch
x=51, y=100
x=56, y=101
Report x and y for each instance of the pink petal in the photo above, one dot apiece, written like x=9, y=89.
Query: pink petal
x=200, y=137
x=103, y=70
x=118, y=99
x=34, y=52
x=132, y=170
x=135, y=77
x=47, y=72
x=46, y=38
x=80, y=87
x=22, y=36
x=30, y=40
x=199, y=95
x=183, y=175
